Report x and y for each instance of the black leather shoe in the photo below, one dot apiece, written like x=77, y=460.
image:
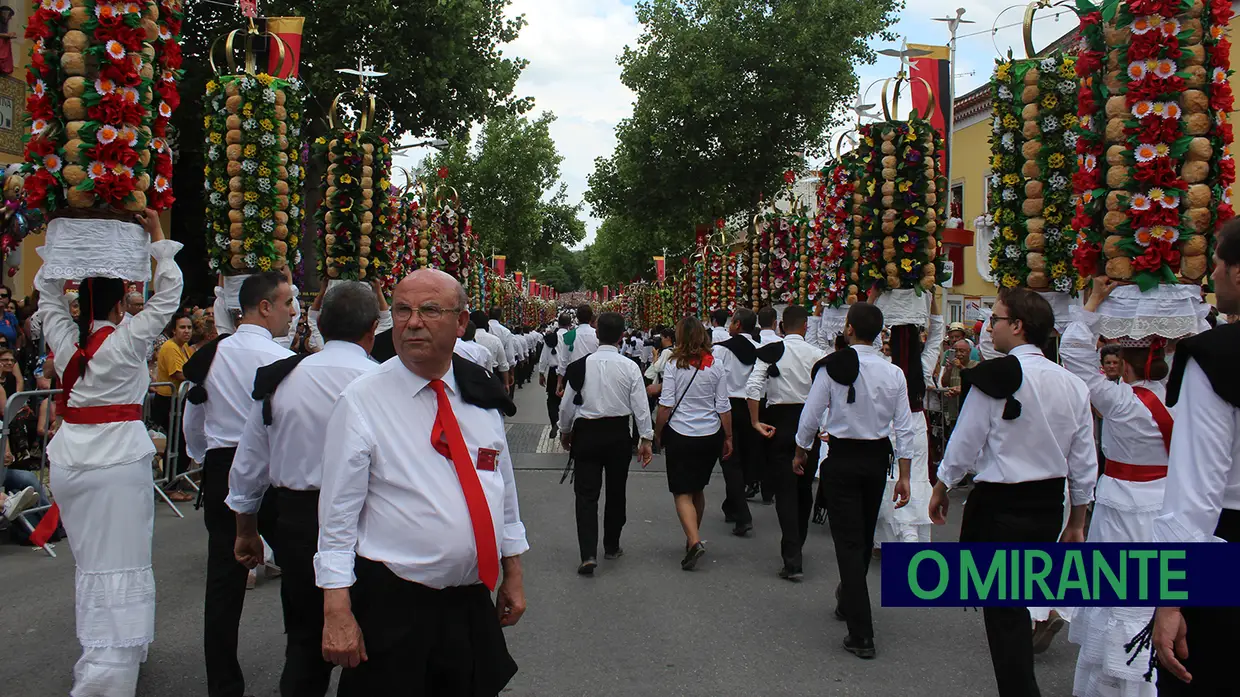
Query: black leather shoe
x=692, y=556
x=587, y=567
x=839, y=616
x=790, y=574
x=751, y=491
x=614, y=554
x=742, y=529
x=861, y=648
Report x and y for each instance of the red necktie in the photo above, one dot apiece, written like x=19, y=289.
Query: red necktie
x=447, y=429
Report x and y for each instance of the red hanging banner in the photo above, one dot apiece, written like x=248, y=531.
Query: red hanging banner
x=498, y=263
x=289, y=30
x=660, y=268
x=935, y=69
x=519, y=276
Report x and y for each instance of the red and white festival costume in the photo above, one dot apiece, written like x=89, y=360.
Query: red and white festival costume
x=101, y=477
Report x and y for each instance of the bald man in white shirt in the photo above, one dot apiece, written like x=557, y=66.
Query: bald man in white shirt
x=418, y=513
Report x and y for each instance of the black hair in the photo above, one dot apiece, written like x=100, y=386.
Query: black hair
x=349, y=312
x=565, y=320
x=471, y=331
x=668, y=333
x=610, y=327
x=96, y=298
x=1034, y=313
x=585, y=314
x=841, y=342
x=479, y=318
x=172, y=323
x=497, y=314
x=1227, y=242
x=719, y=317
x=1110, y=350
x=260, y=287
x=866, y=321
x=767, y=317
x=795, y=317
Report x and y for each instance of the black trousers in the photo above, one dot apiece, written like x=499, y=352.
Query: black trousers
x=1025, y=512
x=423, y=642
x=1211, y=638
x=305, y=674
x=794, y=493
x=854, y=478
x=601, y=450
x=553, y=399
x=744, y=444
x=225, y=589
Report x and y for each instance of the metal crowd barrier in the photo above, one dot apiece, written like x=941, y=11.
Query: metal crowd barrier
x=12, y=406
x=170, y=452
x=174, y=441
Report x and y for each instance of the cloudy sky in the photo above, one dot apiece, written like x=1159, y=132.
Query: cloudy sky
x=572, y=46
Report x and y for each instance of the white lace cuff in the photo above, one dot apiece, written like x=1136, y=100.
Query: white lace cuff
x=1173, y=528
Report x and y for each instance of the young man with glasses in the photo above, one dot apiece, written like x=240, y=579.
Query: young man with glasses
x=1024, y=428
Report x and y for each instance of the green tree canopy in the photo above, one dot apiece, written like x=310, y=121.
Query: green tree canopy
x=623, y=250
x=730, y=95
x=444, y=59
x=509, y=181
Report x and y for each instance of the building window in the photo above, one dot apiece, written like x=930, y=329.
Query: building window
x=957, y=210
x=955, y=308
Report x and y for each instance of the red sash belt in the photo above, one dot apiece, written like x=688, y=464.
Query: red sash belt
x=1134, y=473
x=106, y=414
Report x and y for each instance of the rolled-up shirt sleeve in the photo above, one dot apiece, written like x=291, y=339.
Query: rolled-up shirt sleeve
x=193, y=429
x=1199, y=464
x=1083, y=456
x=902, y=422
x=755, y=387
x=667, y=398
x=723, y=404
x=514, y=542
x=346, y=474
x=249, y=476
x=969, y=437
x=811, y=415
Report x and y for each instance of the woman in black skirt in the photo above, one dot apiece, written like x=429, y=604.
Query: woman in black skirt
x=695, y=409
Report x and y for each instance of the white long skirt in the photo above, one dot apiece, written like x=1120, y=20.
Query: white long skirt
x=109, y=516
x=1124, y=512
x=912, y=522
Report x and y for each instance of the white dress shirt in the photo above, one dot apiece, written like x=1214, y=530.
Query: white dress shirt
x=702, y=398
x=1203, y=476
x=316, y=339
x=289, y=452
x=879, y=410
x=584, y=344
x=475, y=352
x=793, y=383
x=718, y=334
x=389, y=496
x=117, y=374
x=766, y=336
x=647, y=352
x=219, y=421
x=224, y=323
x=506, y=338
x=493, y=344
x=546, y=361
x=738, y=372
x=1053, y=436
x=613, y=387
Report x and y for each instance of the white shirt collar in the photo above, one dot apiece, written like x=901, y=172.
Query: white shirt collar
x=336, y=345
x=1025, y=349
x=98, y=324
x=609, y=347
x=794, y=338
x=420, y=383
x=254, y=329
x=768, y=332
x=867, y=348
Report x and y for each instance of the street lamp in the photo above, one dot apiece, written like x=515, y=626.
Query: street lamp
x=437, y=143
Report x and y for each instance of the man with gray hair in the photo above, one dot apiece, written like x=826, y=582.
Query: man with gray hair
x=281, y=447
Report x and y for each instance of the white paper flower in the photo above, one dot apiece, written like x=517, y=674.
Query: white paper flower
x=1058, y=181
x=293, y=171
x=1004, y=92
x=1063, y=284
x=249, y=124
x=264, y=184
x=296, y=131
x=296, y=257
x=247, y=83
x=249, y=166
x=1047, y=65
x=213, y=153
x=1069, y=139
x=294, y=212
x=1008, y=142
x=995, y=180
x=213, y=264
x=1050, y=124
x=267, y=139
x=250, y=210
x=1072, y=247
x=216, y=199
x=1066, y=87
x=1053, y=233
x=1009, y=195
x=221, y=241
x=1011, y=251
x=269, y=225
x=998, y=125
x=251, y=259
x=269, y=96
x=295, y=83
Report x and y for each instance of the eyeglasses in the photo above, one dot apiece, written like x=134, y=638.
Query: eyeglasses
x=997, y=318
x=429, y=313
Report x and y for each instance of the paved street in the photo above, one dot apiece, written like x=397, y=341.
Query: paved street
x=641, y=626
